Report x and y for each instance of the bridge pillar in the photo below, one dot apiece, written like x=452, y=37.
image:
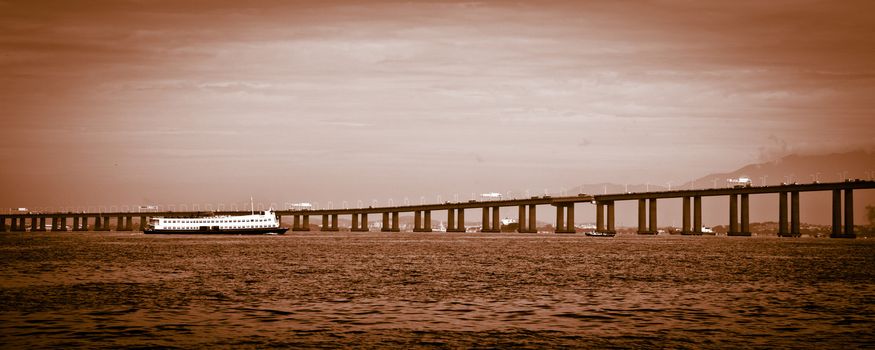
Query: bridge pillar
x=426, y=221
x=457, y=223
x=417, y=221
x=849, y=212
x=745, y=214
x=119, y=223
x=652, y=230
x=76, y=223
x=37, y=224
x=783, y=225
x=493, y=225
x=496, y=220
x=642, y=216
x=794, y=214
x=600, y=217
x=359, y=222
x=143, y=222
x=837, y=230
x=685, y=226
x=395, y=226
x=522, y=224
x=387, y=224
x=22, y=224
x=458, y=220
x=533, y=223
x=565, y=218
x=733, y=215
x=329, y=223
x=697, y=215
x=15, y=225
x=3, y=227
x=61, y=223
x=836, y=213
x=301, y=222
x=611, y=221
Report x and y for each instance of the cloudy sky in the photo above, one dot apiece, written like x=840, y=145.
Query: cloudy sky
x=136, y=102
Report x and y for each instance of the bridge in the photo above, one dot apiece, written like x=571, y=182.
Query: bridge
x=738, y=216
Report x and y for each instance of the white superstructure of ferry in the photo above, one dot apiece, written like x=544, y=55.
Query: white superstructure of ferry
x=265, y=222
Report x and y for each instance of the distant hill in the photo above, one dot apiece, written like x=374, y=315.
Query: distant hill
x=815, y=208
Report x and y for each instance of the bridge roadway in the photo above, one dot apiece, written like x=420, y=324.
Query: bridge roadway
x=842, y=202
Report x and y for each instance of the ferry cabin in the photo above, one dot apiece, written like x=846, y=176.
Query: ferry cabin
x=265, y=221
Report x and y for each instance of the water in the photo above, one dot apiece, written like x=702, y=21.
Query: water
x=100, y=290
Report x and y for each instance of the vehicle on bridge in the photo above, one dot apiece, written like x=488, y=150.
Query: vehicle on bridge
x=740, y=182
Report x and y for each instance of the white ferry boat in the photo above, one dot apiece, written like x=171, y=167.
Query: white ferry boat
x=254, y=224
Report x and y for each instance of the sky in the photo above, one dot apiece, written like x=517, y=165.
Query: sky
x=123, y=103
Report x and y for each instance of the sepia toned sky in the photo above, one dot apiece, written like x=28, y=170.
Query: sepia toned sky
x=139, y=102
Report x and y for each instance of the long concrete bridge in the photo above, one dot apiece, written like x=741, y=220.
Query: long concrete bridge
x=738, y=216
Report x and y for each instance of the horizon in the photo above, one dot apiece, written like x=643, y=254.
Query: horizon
x=122, y=103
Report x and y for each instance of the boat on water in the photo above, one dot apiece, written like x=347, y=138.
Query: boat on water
x=260, y=223
x=600, y=234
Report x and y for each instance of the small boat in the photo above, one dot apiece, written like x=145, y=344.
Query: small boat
x=265, y=222
x=600, y=234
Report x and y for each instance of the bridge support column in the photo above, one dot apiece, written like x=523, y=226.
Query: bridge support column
x=22, y=224
x=457, y=220
x=611, y=220
x=522, y=225
x=359, y=222
x=395, y=226
x=34, y=226
x=15, y=225
x=783, y=224
x=836, y=213
x=794, y=214
x=745, y=214
x=417, y=221
x=143, y=223
x=496, y=220
x=642, y=216
x=733, y=215
x=3, y=227
x=849, y=214
x=119, y=223
x=302, y=222
x=685, y=226
x=329, y=223
x=652, y=229
x=426, y=221
x=744, y=230
x=599, y=217
x=59, y=224
x=527, y=219
x=565, y=218
x=837, y=231
x=387, y=224
x=493, y=225
x=76, y=224
x=697, y=215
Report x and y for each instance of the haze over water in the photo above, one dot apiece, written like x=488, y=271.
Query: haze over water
x=397, y=290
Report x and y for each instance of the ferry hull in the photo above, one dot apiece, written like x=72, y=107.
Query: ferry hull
x=242, y=231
